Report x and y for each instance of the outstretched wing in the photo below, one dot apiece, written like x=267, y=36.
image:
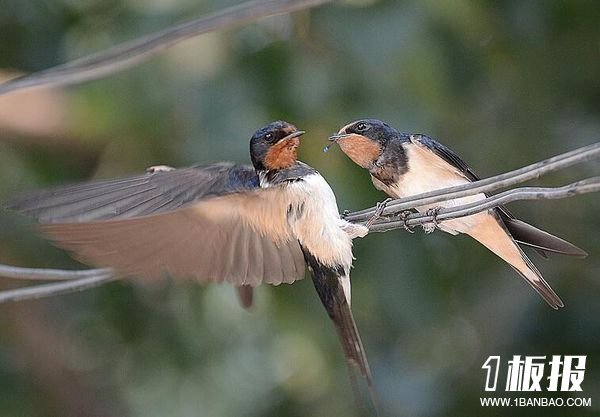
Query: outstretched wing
x=140, y=195
x=210, y=223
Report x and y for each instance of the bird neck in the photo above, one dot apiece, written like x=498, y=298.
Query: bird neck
x=392, y=163
x=295, y=172
x=282, y=155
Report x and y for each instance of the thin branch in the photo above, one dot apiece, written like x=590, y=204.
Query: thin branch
x=57, y=288
x=489, y=184
x=589, y=185
x=43, y=274
x=134, y=52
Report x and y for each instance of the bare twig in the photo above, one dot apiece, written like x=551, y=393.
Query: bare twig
x=83, y=279
x=589, y=185
x=134, y=52
x=58, y=288
x=489, y=184
x=42, y=274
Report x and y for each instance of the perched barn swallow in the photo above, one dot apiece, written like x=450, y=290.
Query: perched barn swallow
x=403, y=165
x=220, y=222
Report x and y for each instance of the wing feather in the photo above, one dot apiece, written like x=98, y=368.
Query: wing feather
x=211, y=223
x=271, y=260
x=446, y=154
x=140, y=195
x=241, y=238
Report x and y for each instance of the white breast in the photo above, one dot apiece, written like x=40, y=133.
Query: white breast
x=428, y=172
x=318, y=227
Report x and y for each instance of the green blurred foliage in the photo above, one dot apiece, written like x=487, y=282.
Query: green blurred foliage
x=502, y=83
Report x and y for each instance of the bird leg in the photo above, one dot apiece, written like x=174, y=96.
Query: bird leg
x=378, y=211
x=430, y=227
x=404, y=217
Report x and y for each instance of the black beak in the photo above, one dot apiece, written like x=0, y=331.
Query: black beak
x=294, y=134
x=337, y=136
x=334, y=138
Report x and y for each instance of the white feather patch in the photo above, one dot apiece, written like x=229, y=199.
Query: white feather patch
x=428, y=172
x=318, y=228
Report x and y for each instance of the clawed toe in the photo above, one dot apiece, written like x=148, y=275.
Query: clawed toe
x=379, y=208
x=404, y=217
x=430, y=227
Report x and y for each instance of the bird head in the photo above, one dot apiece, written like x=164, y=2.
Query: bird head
x=275, y=146
x=364, y=140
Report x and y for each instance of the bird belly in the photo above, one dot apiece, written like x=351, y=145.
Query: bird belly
x=315, y=221
x=419, y=181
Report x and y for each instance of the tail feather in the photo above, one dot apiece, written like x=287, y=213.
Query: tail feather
x=331, y=293
x=333, y=297
x=332, y=286
x=245, y=295
x=350, y=338
x=542, y=241
x=490, y=232
x=534, y=278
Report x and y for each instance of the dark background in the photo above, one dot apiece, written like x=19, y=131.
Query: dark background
x=503, y=83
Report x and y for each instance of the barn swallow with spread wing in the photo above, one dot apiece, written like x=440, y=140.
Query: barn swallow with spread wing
x=403, y=165
x=245, y=225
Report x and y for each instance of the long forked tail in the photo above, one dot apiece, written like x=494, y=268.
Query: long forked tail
x=329, y=283
x=542, y=241
x=490, y=232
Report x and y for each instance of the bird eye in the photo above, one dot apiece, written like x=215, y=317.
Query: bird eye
x=362, y=127
x=269, y=137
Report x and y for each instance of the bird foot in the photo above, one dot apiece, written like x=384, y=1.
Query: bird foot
x=404, y=217
x=378, y=211
x=159, y=168
x=430, y=227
